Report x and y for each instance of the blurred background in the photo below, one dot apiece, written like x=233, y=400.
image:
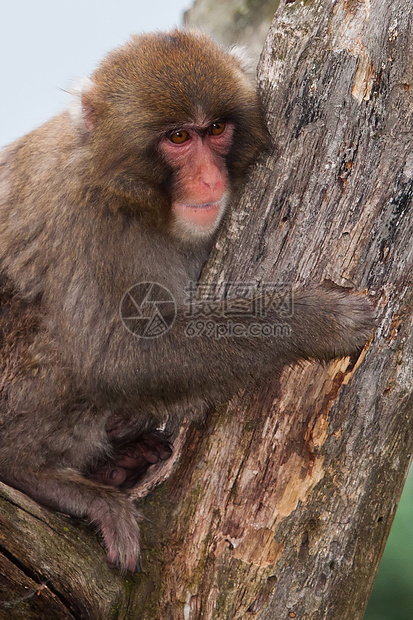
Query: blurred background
x=392, y=595
x=46, y=46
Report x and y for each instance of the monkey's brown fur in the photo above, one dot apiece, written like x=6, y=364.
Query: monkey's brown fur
x=85, y=213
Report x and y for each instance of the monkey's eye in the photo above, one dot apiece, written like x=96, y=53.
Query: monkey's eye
x=216, y=129
x=178, y=137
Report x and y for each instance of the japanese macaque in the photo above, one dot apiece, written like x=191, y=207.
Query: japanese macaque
x=127, y=186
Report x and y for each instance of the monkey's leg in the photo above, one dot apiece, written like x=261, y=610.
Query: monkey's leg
x=109, y=509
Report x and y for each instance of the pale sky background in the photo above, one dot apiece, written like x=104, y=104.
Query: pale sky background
x=46, y=45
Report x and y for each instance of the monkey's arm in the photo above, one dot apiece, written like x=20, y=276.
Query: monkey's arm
x=325, y=323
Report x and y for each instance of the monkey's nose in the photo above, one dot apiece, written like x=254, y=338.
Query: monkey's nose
x=210, y=176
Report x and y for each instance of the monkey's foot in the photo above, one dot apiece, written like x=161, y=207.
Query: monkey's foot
x=132, y=461
x=117, y=520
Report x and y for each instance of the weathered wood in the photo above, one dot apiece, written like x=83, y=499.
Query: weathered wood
x=52, y=566
x=280, y=504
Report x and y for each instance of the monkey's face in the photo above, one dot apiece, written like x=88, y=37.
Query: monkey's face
x=173, y=122
x=197, y=155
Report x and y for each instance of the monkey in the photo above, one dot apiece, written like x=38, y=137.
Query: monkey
x=131, y=184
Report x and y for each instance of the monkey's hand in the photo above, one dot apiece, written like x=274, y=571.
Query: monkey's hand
x=132, y=459
x=338, y=323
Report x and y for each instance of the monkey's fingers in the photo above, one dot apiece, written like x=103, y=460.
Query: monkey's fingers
x=133, y=458
x=133, y=461
x=113, y=476
x=133, y=564
x=158, y=444
x=149, y=448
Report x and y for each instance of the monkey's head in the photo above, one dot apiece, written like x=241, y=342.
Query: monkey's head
x=171, y=123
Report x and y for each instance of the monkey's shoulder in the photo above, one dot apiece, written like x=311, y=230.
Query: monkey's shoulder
x=37, y=154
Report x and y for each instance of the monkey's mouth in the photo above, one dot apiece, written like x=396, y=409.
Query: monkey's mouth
x=204, y=214
x=207, y=205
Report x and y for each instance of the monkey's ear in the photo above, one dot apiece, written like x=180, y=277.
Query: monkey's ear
x=83, y=109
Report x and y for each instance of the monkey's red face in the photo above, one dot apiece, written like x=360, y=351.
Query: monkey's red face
x=196, y=154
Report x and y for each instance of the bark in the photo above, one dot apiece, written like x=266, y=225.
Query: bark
x=279, y=506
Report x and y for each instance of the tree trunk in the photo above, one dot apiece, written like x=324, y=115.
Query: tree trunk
x=279, y=506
